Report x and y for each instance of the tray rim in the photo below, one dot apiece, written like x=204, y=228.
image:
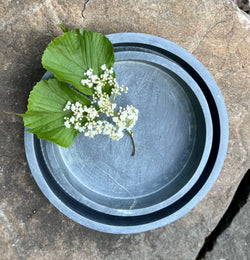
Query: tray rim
x=202, y=71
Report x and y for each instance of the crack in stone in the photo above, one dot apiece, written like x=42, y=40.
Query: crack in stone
x=13, y=19
x=238, y=201
x=5, y=132
x=84, y=8
x=206, y=33
x=10, y=156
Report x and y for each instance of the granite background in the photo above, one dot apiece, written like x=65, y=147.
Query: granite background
x=215, y=32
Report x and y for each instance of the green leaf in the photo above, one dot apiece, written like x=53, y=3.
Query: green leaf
x=45, y=115
x=71, y=54
x=64, y=28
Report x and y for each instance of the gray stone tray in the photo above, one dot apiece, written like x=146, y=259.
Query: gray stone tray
x=181, y=140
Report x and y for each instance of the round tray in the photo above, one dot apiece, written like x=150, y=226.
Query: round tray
x=178, y=129
x=181, y=139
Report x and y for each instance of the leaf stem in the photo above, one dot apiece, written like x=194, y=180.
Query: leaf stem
x=133, y=141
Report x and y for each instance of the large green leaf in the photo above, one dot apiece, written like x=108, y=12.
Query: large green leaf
x=45, y=115
x=71, y=54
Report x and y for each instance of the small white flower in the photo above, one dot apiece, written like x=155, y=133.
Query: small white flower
x=67, y=124
x=89, y=72
x=94, y=78
x=90, y=84
x=104, y=76
x=77, y=104
x=73, y=108
x=111, y=70
x=98, y=88
x=115, y=119
x=77, y=125
x=103, y=67
x=84, y=82
x=72, y=120
x=81, y=110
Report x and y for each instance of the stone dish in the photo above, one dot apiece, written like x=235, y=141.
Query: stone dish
x=181, y=139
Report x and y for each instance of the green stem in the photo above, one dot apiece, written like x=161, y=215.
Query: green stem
x=133, y=141
x=113, y=98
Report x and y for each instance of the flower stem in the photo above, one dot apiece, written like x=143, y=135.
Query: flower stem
x=133, y=141
x=113, y=98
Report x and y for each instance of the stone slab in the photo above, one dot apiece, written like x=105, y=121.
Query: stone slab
x=234, y=242
x=216, y=32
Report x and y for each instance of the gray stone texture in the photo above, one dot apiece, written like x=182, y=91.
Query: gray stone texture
x=216, y=32
x=234, y=242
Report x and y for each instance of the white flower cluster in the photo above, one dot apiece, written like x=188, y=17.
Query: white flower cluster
x=124, y=119
x=79, y=112
x=98, y=83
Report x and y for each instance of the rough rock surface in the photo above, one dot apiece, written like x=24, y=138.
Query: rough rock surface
x=216, y=32
x=234, y=242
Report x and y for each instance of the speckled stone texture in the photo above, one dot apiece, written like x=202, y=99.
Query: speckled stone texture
x=216, y=32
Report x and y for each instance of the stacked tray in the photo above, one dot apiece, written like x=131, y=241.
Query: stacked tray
x=181, y=140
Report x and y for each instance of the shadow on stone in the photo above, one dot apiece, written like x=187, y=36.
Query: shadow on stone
x=238, y=201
